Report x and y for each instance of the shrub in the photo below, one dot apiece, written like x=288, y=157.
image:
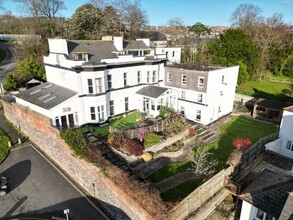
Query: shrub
x=75, y=139
x=118, y=141
x=192, y=132
x=241, y=143
x=141, y=134
x=146, y=157
x=235, y=157
x=175, y=123
x=150, y=139
x=165, y=111
x=134, y=148
x=110, y=138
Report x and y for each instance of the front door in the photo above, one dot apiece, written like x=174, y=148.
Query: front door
x=64, y=121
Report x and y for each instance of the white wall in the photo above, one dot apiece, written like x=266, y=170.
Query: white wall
x=221, y=94
x=285, y=133
x=58, y=46
x=248, y=211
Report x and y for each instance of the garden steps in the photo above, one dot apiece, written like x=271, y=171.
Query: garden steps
x=175, y=180
x=108, y=154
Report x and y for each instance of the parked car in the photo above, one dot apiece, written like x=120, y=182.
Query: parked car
x=3, y=186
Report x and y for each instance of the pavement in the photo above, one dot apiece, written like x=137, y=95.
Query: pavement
x=38, y=189
x=10, y=130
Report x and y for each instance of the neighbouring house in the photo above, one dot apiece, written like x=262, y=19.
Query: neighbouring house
x=268, y=197
x=92, y=81
x=284, y=144
x=268, y=110
x=173, y=54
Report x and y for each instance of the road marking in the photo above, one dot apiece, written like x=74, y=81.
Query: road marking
x=66, y=178
x=18, y=148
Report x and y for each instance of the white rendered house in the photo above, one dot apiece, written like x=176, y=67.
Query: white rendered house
x=204, y=95
x=284, y=144
x=92, y=81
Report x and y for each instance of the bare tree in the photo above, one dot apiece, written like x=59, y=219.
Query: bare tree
x=246, y=16
x=43, y=8
x=201, y=164
x=175, y=31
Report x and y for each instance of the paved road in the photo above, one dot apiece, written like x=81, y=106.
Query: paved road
x=37, y=189
x=9, y=63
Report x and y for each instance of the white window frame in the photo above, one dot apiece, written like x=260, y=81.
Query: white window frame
x=101, y=113
x=99, y=85
x=169, y=77
x=289, y=145
x=184, y=79
x=154, y=76
x=111, y=105
x=198, y=115
x=183, y=94
x=182, y=110
x=200, y=84
x=264, y=215
x=199, y=97
x=125, y=79
x=148, y=76
x=109, y=81
x=90, y=86
x=93, y=113
x=138, y=77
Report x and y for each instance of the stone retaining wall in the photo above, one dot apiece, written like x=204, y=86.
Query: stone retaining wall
x=89, y=177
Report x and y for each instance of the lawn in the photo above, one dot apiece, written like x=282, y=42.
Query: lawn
x=2, y=54
x=267, y=90
x=221, y=149
x=4, y=144
x=167, y=171
x=181, y=191
x=120, y=122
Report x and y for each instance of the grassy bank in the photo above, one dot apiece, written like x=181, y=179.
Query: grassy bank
x=3, y=144
x=267, y=90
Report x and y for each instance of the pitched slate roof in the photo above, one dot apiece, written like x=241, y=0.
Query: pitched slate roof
x=269, y=192
x=133, y=45
x=46, y=95
x=96, y=50
x=152, y=91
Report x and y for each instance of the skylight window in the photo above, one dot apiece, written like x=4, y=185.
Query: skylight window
x=48, y=99
x=36, y=91
x=44, y=96
x=47, y=86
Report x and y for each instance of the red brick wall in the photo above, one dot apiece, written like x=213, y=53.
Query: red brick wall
x=37, y=127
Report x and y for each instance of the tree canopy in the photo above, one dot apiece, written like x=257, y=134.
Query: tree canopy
x=199, y=28
x=235, y=47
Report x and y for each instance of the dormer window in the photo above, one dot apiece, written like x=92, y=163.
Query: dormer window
x=80, y=56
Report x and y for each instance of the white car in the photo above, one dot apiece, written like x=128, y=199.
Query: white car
x=3, y=186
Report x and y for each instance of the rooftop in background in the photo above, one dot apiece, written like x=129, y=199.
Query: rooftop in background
x=188, y=66
x=46, y=95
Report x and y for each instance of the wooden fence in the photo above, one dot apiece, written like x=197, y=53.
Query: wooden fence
x=200, y=195
x=270, y=79
x=208, y=189
x=250, y=158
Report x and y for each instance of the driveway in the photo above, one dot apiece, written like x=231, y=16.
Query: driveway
x=9, y=63
x=38, y=189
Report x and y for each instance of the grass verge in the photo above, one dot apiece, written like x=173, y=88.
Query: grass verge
x=4, y=144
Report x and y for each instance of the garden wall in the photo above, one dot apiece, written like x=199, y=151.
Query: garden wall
x=200, y=195
x=38, y=128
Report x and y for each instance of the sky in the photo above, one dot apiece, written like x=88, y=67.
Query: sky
x=208, y=12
